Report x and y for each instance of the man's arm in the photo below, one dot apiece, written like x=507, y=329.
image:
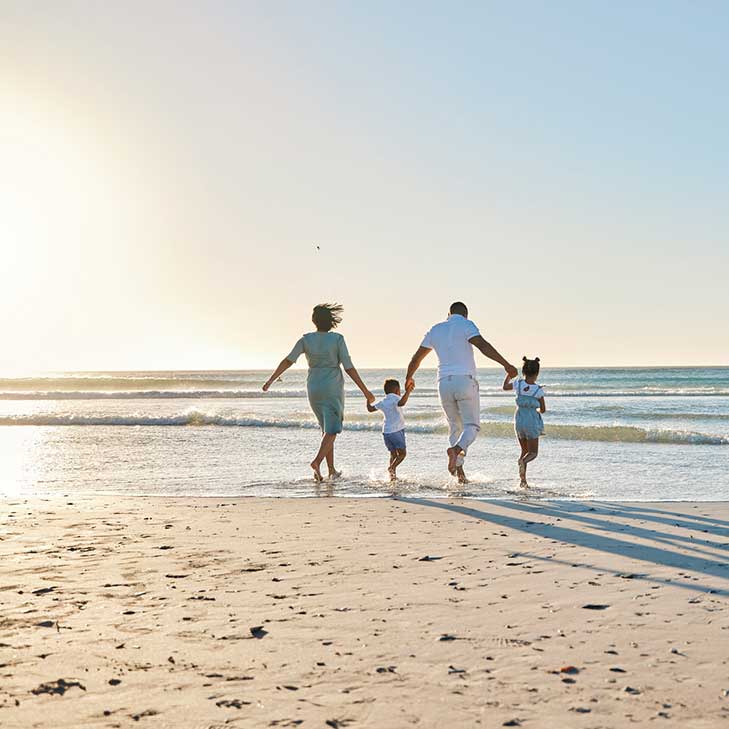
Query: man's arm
x=415, y=361
x=488, y=351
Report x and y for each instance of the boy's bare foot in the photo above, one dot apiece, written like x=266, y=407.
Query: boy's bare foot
x=334, y=475
x=317, y=473
x=461, y=475
x=453, y=454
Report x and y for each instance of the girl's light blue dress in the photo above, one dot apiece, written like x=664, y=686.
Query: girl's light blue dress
x=325, y=352
x=528, y=421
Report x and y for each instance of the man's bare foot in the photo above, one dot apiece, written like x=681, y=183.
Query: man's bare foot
x=461, y=475
x=453, y=454
x=334, y=475
x=317, y=473
x=524, y=484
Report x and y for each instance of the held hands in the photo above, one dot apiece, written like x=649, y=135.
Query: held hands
x=511, y=370
x=409, y=385
x=368, y=396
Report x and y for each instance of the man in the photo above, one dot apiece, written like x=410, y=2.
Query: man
x=453, y=341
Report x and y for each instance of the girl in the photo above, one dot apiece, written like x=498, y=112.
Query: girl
x=528, y=421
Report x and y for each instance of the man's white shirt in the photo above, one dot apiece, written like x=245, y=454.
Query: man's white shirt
x=450, y=340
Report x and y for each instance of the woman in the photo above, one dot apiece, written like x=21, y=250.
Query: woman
x=325, y=350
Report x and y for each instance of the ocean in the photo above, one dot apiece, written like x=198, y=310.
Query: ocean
x=634, y=434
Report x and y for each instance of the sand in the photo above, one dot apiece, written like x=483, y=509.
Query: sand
x=121, y=611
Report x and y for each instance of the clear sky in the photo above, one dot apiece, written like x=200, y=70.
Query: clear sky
x=166, y=172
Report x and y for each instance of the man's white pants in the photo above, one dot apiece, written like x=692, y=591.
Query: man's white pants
x=459, y=397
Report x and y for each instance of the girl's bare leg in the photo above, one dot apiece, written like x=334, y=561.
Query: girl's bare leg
x=531, y=454
x=522, y=466
x=327, y=445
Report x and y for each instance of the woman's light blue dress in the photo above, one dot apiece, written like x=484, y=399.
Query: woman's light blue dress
x=528, y=421
x=325, y=352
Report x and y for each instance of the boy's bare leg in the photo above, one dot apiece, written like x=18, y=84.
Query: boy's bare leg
x=396, y=458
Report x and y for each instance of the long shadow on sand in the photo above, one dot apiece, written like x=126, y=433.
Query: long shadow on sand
x=592, y=537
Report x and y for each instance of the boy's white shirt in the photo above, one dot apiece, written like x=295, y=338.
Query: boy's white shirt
x=389, y=407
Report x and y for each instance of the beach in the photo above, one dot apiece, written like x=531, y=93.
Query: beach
x=124, y=611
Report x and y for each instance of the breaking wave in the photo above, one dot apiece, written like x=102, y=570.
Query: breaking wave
x=194, y=417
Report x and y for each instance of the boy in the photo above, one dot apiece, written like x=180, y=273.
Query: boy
x=393, y=428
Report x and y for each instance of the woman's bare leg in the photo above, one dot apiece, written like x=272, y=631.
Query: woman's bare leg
x=327, y=445
x=333, y=473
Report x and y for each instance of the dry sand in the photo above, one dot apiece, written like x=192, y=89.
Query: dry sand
x=119, y=612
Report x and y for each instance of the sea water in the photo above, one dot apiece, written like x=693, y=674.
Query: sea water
x=629, y=434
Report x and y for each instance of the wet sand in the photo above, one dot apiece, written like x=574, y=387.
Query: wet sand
x=119, y=612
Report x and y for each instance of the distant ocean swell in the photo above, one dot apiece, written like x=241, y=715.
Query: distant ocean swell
x=248, y=394
x=603, y=433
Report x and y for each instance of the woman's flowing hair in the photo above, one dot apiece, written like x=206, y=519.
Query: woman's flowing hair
x=327, y=316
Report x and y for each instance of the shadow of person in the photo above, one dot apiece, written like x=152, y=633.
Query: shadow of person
x=640, y=545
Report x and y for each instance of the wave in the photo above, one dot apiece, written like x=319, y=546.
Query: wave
x=194, y=417
x=146, y=394
x=249, y=394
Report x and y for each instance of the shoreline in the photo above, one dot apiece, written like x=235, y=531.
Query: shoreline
x=247, y=611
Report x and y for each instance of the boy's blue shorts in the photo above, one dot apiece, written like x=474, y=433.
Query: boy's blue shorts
x=395, y=441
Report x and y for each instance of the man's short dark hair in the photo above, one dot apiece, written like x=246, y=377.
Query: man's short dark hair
x=458, y=307
x=390, y=386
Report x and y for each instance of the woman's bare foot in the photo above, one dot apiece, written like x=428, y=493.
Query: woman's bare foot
x=317, y=473
x=461, y=475
x=334, y=474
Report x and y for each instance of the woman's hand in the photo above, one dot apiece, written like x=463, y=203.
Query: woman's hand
x=267, y=385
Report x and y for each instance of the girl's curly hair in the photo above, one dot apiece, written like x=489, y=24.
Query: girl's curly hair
x=530, y=367
x=327, y=316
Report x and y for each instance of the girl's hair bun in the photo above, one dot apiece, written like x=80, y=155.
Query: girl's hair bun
x=524, y=359
x=536, y=359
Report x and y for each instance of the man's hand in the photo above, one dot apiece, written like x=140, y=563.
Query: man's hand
x=369, y=397
x=511, y=370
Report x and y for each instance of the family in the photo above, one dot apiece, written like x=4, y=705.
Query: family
x=453, y=341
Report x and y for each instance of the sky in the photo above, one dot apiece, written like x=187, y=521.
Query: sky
x=167, y=171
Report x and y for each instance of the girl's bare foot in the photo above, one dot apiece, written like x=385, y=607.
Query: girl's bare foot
x=317, y=473
x=334, y=475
